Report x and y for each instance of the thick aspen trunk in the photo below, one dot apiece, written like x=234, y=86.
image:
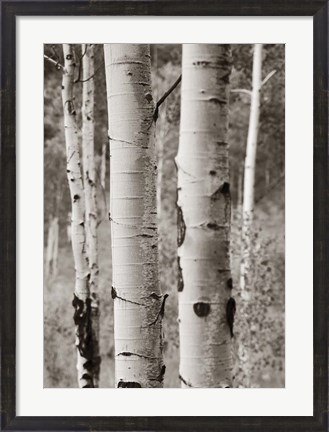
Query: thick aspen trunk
x=204, y=209
x=81, y=301
x=138, y=303
x=89, y=174
x=248, y=213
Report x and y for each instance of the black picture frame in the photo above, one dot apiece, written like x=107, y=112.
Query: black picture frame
x=318, y=9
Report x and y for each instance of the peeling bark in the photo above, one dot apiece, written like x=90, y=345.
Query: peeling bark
x=204, y=200
x=138, y=302
x=89, y=175
x=82, y=274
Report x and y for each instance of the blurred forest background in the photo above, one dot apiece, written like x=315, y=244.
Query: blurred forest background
x=268, y=259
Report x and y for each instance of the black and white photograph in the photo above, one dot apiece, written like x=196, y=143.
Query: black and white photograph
x=164, y=216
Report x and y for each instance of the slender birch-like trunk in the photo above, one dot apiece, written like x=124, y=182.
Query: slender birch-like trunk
x=81, y=301
x=247, y=217
x=52, y=240
x=250, y=165
x=89, y=175
x=138, y=303
x=206, y=308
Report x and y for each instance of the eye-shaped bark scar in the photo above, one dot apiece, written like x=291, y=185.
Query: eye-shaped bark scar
x=201, y=309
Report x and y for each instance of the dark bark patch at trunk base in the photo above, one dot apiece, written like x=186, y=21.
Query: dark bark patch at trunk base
x=95, y=334
x=229, y=283
x=82, y=320
x=230, y=313
x=181, y=227
x=128, y=384
x=162, y=373
x=180, y=276
x=201, y=309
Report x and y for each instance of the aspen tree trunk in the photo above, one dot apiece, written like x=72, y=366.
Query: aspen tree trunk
x=52, y=247
x=204, y=209
x=103, y=166
x=89, y=174
x=250, y=164
x=138, y=303
x=248, y=213
x=81, y=301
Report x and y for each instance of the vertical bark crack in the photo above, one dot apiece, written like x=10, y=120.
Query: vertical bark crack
x=230, y=313
x=180, y=280
x=181, y=227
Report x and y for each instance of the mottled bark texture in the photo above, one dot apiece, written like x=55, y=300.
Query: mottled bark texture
x=81, y=301
x=248, y=212
x=138, y=303
x=204, y=208
x=89, y=175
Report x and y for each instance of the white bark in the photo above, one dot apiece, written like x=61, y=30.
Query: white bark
x=89, y=175
x=204, y=218
x=248, y=213
x=81, y=300
x=138, y=304
x=250, y=165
